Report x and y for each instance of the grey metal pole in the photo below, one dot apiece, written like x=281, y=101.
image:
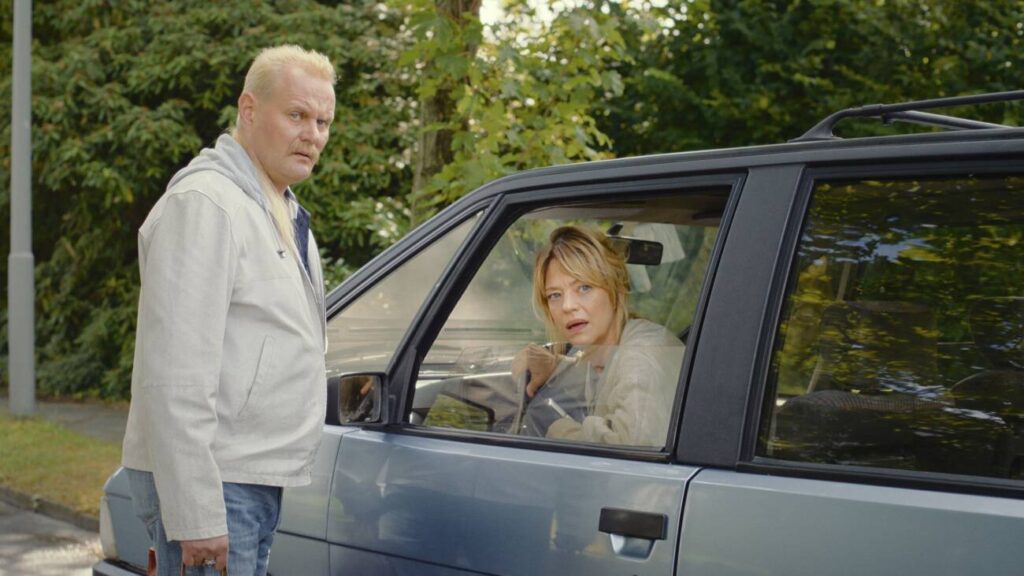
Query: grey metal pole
x=21, y=289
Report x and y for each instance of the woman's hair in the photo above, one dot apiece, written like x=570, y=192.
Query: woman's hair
x=588, y=256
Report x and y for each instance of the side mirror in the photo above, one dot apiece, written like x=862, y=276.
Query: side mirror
x=354, y=398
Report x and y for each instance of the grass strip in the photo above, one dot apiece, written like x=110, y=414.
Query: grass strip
x=40, y=458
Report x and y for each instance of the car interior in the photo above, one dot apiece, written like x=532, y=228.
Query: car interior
x=905, y=351
x=465, y=380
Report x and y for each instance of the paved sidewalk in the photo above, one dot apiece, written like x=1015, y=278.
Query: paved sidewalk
x=101, y=421
x=34, y=545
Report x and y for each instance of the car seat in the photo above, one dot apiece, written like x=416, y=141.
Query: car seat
x=875, y=399
x=876, y=346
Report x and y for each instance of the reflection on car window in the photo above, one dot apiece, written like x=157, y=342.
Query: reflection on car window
x=364, y=336
x=582, y=372
x=902, y=337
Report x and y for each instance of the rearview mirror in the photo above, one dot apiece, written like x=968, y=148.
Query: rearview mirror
x=354, y=398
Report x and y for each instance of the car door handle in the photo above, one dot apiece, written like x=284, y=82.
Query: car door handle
x=633, y=524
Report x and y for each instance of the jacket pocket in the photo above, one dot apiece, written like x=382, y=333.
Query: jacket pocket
x=264, y=367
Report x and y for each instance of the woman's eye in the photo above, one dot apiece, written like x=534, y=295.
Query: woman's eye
x=554, y=296
x=584, y=288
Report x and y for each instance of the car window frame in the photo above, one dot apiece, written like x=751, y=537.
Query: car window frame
x=756, y=410
x=509, y=207
x=408, y=247
x=396, y=256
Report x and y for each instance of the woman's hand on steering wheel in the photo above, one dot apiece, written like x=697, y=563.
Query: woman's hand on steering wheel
x=538, y=363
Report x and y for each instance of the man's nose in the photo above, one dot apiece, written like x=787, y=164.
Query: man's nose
x=309, y=131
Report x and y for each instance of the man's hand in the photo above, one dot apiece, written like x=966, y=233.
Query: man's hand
x=197, y=552
x=539, y=362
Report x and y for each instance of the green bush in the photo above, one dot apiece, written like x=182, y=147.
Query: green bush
x=124, y=94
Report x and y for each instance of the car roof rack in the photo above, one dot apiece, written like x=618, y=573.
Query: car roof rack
x=911, y=112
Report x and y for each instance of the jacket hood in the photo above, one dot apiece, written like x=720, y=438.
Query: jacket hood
x=227, y=157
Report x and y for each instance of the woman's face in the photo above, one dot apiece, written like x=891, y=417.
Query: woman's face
x=583, y=313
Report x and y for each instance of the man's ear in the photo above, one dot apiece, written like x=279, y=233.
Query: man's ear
x=246, y=108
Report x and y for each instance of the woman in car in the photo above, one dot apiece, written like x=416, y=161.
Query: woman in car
x=617, y=381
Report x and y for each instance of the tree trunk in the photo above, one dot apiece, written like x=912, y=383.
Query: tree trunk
x=434, y=147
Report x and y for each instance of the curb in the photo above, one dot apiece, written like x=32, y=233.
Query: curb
x=47, y=508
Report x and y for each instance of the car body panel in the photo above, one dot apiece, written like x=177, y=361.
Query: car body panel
x=129, y=531
x=298, y=555
x=300, y=537
x=491, y=509
x=303, y=515
x=740, y=524
x=304, y=508
x=114, y=568
x=730, y=330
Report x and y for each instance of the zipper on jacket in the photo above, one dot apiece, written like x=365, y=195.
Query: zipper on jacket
x=273, y=226
x=318, y=297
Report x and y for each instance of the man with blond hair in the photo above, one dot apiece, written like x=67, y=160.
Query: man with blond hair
x=228, y=392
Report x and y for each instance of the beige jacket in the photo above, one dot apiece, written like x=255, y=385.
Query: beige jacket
x=633, y=398
x=229, y=380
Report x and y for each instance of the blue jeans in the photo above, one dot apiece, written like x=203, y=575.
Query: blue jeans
x=253, y=512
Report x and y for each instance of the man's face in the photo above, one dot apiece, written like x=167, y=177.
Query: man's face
x=289, y=128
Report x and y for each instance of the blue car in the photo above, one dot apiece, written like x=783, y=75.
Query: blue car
x=846, y=396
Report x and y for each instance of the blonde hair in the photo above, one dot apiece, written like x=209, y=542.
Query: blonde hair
x=266, y=68
x=280, y=211
x=260, y=81
x=587, y=256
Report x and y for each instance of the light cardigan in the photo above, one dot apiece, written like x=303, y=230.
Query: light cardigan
x=634, y=395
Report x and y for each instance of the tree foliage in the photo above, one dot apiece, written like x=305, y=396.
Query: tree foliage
x=125, y=93
x=448, y=34
x=708, y=74
x=526, y=98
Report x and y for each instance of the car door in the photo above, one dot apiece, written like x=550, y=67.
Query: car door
x=877, y=428
x=363, y=338
x=449, y=482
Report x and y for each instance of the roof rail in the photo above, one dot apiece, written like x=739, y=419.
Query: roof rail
x=910, y=112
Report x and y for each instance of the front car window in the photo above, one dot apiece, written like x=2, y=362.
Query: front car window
x=468, y=381
x=901, y=342
x=364, y=336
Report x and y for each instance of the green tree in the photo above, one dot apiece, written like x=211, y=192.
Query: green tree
x=448, y=34
x=709, y=74
x=125, y=93
x=524, y=93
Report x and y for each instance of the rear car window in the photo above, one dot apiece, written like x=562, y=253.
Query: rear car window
x=901, y=340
